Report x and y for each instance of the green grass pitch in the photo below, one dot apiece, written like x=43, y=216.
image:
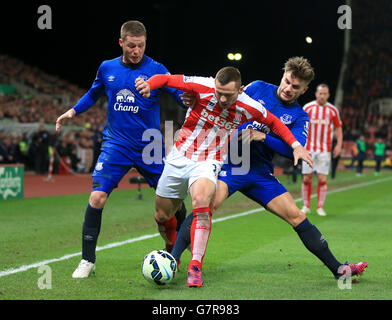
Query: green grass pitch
x=255, y=256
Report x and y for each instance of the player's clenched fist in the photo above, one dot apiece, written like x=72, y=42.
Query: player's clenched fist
x=143, y=87
x=67, y=115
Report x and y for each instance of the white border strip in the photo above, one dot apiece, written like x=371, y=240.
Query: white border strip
x=149, y=236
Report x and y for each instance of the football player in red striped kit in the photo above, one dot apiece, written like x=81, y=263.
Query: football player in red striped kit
x=324, y=122
x=201, y=147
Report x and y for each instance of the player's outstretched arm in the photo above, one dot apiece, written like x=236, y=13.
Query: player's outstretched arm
x=66, y=115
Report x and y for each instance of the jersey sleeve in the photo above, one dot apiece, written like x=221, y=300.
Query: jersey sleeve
x=262, y=115
x=299, y=131
x=173, y=92
x=176, y=81
x=95, y=92
x=251, y=88
x=337, y=122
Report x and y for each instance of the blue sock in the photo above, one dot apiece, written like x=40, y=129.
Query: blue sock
x=183, y=238
x=90, y=232
x=316, y=244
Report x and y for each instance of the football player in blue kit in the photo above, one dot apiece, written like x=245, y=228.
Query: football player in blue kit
x=129, y=115
x=259, y=184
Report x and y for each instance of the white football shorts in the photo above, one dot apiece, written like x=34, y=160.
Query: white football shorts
x=321, y=163
x=180, y=172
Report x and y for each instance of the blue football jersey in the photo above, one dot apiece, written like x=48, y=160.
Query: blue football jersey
x=292, y=115
x=129, y=114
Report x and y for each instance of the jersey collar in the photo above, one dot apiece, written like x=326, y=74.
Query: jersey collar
x=133, y=66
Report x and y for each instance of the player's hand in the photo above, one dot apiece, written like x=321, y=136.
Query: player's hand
x=301, y=153
x=67, y=115
x=143, y=87
x=336, y=151
x=188, y=99
x=249, y=135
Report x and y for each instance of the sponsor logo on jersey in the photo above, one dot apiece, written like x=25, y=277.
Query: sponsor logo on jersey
x=125, y=100
x=219, y=121
x=111, y=78
x=319, y=121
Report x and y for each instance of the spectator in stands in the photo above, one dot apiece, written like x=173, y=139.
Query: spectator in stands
x=41, y=144
x=4, y=157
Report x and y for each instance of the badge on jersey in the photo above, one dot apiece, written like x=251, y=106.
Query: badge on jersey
x=286, y=118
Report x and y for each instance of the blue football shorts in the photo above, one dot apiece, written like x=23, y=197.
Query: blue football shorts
x=112, y=165
x=260, y=186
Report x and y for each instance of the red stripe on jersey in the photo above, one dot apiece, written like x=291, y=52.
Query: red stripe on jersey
x=322, y=128
x=329, y=134
x=316, y=128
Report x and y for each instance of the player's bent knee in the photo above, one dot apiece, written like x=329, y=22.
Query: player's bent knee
x=161, y=216
x=296, y=217
x=98, y=199
x=200, y=201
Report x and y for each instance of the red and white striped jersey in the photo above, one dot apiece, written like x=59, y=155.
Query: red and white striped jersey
x=322, y=121
x=207, y=128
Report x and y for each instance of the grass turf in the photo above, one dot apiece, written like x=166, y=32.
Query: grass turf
x=252, y=257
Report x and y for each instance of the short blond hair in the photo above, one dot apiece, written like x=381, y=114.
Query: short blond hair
x=133, y=28
x=300, y=67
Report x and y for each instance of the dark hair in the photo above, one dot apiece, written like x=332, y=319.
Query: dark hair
x=229, y=74
x=133, y=28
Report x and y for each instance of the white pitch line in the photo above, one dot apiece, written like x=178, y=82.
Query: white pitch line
x=149, y=236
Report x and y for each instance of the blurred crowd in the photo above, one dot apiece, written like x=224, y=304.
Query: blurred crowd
x=369, y=73
x=75, y=151
x=41, y=98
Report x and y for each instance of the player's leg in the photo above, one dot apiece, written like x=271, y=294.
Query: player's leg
x=202, y=192
x=306, y=190
x=152, y=174
x=92, y=224
x=166, y=220
x=322, y=189
x=90, y=231
x=273, y=196
x=171, y=190
x=183, y=237
x=323, y=166
x=284, y=207
x=106, y=176
x=307, y=180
